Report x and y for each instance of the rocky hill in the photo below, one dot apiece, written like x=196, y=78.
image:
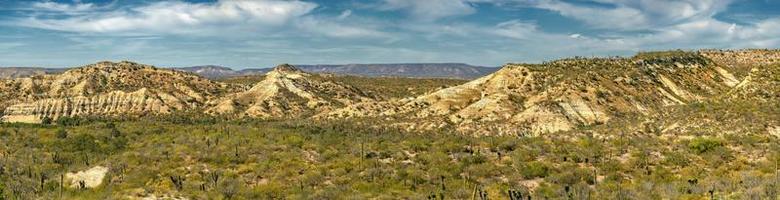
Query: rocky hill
x=105, y=89
x=288, y=92
x=550, y=97
x=570, y=93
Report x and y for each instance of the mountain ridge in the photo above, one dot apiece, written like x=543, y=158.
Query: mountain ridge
x=518, y=99
x=565, y=94
x=412, y=70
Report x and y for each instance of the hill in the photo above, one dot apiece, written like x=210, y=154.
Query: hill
x=570, y=93
x=105, y=88
x=288, y=92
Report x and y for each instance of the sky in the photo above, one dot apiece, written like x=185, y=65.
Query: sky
x=264, y=33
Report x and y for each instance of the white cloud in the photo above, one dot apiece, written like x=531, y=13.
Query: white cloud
x=344, y=14
x=431, y=10
x=178, y=17
x=516, y=29
x=291, y=31
x=636, y=14
x=62, y=7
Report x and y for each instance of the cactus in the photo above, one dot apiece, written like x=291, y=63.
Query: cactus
x=178, y=182
x=443, y=187
x=82, y=185
x=43, y=180
x=479, y=193
x=213, y=177
x=516, y=195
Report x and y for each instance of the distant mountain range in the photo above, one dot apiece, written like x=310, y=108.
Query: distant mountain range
x=413, y=70
x=18, y=72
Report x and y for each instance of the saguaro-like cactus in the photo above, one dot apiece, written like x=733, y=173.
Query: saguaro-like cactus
x=516, y=195
x=178, y=182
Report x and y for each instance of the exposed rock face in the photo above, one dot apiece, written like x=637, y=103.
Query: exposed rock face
x=518, y=99
x=757, y=76
x=561, y=95
x=288, y=92
x=91, y=178
x=103, y=89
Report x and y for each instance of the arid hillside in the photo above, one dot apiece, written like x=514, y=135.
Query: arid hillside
x=566, y=94
x=106, y=88
x=550, y=97
x=288, y=92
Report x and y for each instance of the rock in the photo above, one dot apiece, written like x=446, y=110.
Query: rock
x=91, y=178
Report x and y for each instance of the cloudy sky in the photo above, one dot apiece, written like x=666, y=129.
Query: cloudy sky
x=262, y=33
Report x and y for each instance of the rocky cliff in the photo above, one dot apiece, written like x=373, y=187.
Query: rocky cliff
x=105, y=88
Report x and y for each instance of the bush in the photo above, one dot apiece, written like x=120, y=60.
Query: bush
x=69, y=121
x=535, y=169
x=2, y=191
x=704, y=144
x=115, y=133
x=46, y=120
x=62, y=134
x=82, y=143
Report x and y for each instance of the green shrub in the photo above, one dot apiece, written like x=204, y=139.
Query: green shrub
x=115, y=133
x=46, y=120
x=2, y=191
x=62, y=133
x=535, y=169
x=704, y=144
x=82, y=143
x=474, y=159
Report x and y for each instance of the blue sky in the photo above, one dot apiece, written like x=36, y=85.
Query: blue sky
x=263, y=33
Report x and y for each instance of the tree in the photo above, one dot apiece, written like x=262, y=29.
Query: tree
x=62, y=133
x=115, y=133
x=46, y=120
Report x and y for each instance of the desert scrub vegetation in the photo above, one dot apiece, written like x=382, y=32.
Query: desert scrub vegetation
x=215, y=159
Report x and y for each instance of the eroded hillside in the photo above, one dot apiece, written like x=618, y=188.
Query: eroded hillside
x=569, y=93
x=288, y=92
x=518, y=99
x=106, y=88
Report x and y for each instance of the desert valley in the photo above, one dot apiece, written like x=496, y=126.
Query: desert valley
x=671, y=124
